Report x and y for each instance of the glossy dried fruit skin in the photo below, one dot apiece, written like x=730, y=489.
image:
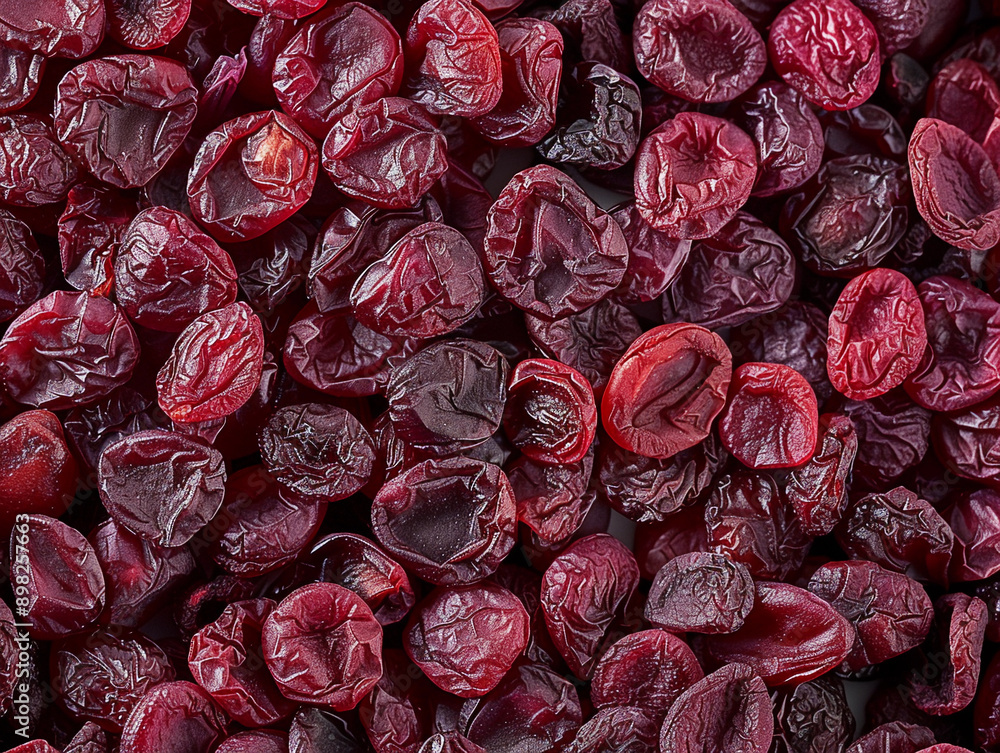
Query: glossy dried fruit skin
x=123, y=117
x=22, y=267
x=972, y=517
x=214, y=367
x=894, y=737
x=453, y=64
x=168, y=272
x=346, y=56
x=817, y=490
x=743, y=270
x=224, y=659
x=749, y=521
x=91, y=428
x=692, y=174
x=532, y=708
x=552, y=500
x=89, y=346
x=835, y=70
x=788, y=136
x=699, y=50
x=278, y=8
x=428, y=284
x=90, y=739
x=317, y=450
x=90, y=232
x=583, y=591
x=667, y=389
x=273, y=268
x=617, y=728
x=323, y=646
x=877, y=334
x=398, y=714
x=23, y=80
x=139, y=576
x=960, y=622
x=146, y=24
x=599, y=121
x=549, y=249
x=650, y=490
x=898, y=531
x=965, y=440
x=890, y=612
x=333, y=352
x=357, y=563
x=700, y=592
x=256, y=741
x=771, y=419
x=850, y=216
x=655, y=259
x=174, y=717
x=727, y=710
x=789, y=637
x=262, y=526
x=449, y=742
x=961, y=366
x=102, y=675
x=34, y=168
x=63, y=28
x=317, y=730
x=449, y=396
x=448, y=521
x=531, y=67
x=161, y=485
x=956, y=188
x=591, y=342
x=964, y=94
x=646, y=670
x=66, y=589
x=550, y=413
x=250, y=174
x=40, y=473
x=387, y=153
x=466, y=638
x=893, y=436
x=813, y=716
x=866, y=129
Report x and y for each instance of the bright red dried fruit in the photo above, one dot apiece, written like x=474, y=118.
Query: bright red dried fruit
x=877, y=334
x=829, y=51
x=617, y=728
x=449, y=521
x=224, y=659
x=956, y=188
x=817, y=490
x=124, y=116
x=466, y=638
x=655, y=259
x=667, y=389
x=973, y=518
x=34, y=169
x=771, y=419
x=168, y=272
x=789, y=637
x=161, y=485
x=727, y=710
x=90, y=232
x=88, y=345
x=700, y=592
x=61, y=28
x=453, y=59
x=40, y=474
x=583, y=591
x=146, y=24
x=692, y=174
x=214, y=367
x=278, y=8
x=549, y=249
x=323, y=646
x=251, y=174
x=346, y=56
x=699, y=50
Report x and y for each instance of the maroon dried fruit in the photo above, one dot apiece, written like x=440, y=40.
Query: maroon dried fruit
x=700, y=592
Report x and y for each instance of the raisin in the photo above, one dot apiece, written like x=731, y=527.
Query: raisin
x=813, y=716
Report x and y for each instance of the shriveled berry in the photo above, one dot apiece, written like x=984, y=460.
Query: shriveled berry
x=34, y=169
x=40, y=473
x=174, y=717
x=22, y=267
x=700, y=592
x=62, y=28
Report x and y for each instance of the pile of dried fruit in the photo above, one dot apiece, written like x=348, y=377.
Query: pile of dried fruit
x=310, y=444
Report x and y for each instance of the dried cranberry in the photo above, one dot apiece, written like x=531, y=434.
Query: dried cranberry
x=250, y=174
x=322, y=645
x=666, y=390
x=174, y=717
x=347, y=55
x=813, y=716
x=817, y=490
x=22, y=267
x=964, y=94
x=34, y=169
x=161, y=485
x=466, y=638
x=700, y=592
x=619, y=728
x=40, y=473
x=701, y=50
x=552, y=500
x=90, y=231
x=655, y=259
x=89, y=348
x=146, y=24
x=124, y=116
x=62, y=28
x=829, y=51
x=893, y=436
x=549, y=249
x=894, y=737
x=676, y=164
